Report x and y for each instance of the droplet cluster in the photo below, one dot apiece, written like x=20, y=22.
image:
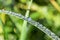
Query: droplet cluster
x=36, y=24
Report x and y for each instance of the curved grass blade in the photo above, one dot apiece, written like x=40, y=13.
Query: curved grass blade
x=36, y=24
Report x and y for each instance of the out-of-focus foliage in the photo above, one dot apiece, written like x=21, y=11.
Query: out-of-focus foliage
x=41, y=11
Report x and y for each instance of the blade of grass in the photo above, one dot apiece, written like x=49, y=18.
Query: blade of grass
x=55, y=4
x=24, y=26
x=36, y=24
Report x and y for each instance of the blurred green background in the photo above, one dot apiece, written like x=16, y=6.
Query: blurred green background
x=42, y=11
